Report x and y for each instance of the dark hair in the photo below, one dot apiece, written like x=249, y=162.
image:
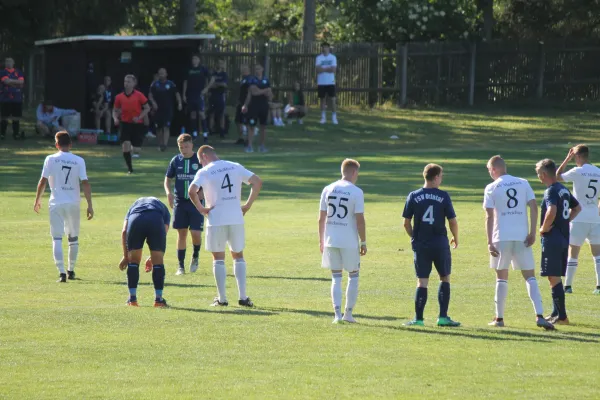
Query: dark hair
x=184, y=137
x=546, y=165
x=195, y=55
x=325, y=44
x=47, y=103
x=431, y=171
x=63, y=139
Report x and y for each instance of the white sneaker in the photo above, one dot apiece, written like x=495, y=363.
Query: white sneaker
x=135, y=155
x=348, y=318
x=194, y=265
x=334, y=120
x=180, y=271
x=150, y=135
x=249, y=149
x=323, y=121
x=337, y=320
x=496, y=323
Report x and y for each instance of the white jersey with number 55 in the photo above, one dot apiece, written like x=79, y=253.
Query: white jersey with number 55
x=586, y=188
x=508, y=196
x=221, y=182
x=64, y=171
x=342, y=200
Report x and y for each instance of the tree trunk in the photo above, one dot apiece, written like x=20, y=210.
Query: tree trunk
x=487, y=7
x=187, y=17
x=308, y=29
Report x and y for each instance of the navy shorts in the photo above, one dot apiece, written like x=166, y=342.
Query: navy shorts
x=149, y=227
x=217, y=104
x=195, y=102
x=258, y=114
x=426, y=257
x=186, y=215
x=163, y=117
x=555, y=252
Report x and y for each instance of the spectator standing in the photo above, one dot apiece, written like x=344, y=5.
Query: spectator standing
x=217, y=88
x=326, y=64
x=11, y=98
x=240, y=118
x=162, y=95
x=193, y=96
x=257, y=106
x=48, y=118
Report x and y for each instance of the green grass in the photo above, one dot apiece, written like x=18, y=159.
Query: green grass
x=79, y=341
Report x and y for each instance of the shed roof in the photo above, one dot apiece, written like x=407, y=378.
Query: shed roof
x=109, y=38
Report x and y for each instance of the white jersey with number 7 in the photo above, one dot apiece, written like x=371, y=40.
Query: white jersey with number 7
x=64, y=171
x=342, y=200
x=221, y=182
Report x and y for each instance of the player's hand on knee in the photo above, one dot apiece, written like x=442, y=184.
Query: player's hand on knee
x=363, y=250
x=454, y=243
x=90, y=213
x=149, y=264
x=493, y=251
x=123, y=264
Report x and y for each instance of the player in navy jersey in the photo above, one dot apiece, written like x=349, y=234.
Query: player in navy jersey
x=182, y=169
x=240, y=118
x=558, y=210
x=256, y=106
x=146, y=221
x=11, y=98
x=193, y=87
x=163, y=94
x=217, y=88
x=425, y=215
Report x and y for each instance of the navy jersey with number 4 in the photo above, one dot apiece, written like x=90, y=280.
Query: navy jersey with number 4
x=183, y=170
x=559, y=196
x=429, y=209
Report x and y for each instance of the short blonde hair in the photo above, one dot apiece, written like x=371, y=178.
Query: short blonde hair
x=184, y=137
x=206, y=149
x=497, y=162
x=581, y=150
x=431, y=171
x=349, y=165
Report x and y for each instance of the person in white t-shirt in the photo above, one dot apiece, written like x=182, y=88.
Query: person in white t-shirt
x=326, y=64
x=62, y=172
x=586, y=225
x=221, y=182
x=510, y=236
x=341, y=224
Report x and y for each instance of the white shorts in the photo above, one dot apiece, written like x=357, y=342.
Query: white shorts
x=64, y=218
x=582, y=231
x=515, y=253
x=219, y=236
x=335, y=258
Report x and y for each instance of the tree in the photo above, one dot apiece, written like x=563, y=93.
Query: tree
x=187, y=17
x=308, y=28
x=486, y=7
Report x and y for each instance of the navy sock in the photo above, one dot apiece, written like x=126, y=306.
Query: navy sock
x=444, y=298
x=181, y=257
x=133, y=277
x=420, y=301
x=127, y=157
x=193, y=125
x=158, y=278
x=15, y=127
x=196, y=251
x=3, y=127
x=558, y=299
x=204, y=125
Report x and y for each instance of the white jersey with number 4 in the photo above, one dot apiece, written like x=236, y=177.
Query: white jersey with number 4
x=221, y=182
x=586, y=188
x=508, y=196
x=64, y=171
x=342, y=200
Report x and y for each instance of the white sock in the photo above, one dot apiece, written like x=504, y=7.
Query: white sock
x=73, y=251
x=57, y=252
x=571, y=269
x=534, y=294
x=597, y=264
x=334, y=115
x=239, y=270
x=336, y=293
x=351, y=293
x=323, y=116
x=501, y=294
x=220, y=276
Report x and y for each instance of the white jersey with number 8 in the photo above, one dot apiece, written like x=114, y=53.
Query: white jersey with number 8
x=64, y=171
x=221, y=182
x=508, y=196
x=342, y=200
x=586, y=188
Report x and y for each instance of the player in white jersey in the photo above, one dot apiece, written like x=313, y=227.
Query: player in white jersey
x=63, y=171
x=510, y=236
x=221, y=182
x=341, y=224
x=586, y=225
x=326, y=65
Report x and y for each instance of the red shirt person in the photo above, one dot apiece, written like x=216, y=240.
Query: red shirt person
x=11, y=98
x=131, y=106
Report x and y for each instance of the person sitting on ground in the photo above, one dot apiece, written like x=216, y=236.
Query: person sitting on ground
x=48, y=118
x=276, y=112
x=296, y=107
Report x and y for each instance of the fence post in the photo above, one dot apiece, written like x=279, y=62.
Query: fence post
x=404, y=74
x=472, y=75
x=541, y=71
x=267, y=59
x=397, y=81
x=31, y=78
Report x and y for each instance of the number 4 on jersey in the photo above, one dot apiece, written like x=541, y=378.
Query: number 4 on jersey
x=226, y=183
x=428, y=216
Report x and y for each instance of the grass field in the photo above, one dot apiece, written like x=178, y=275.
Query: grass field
x=79, y=340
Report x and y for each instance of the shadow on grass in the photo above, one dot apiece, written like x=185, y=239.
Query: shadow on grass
x=235, y=311
x=167, y=284
x=320, y=314
x=296, y=278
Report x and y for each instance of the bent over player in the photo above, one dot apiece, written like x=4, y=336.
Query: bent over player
x=182, y=169
x=341, y=224
x=425, y=215
x=146, y=221
x=510, y=236
x=63, y=171
x=221, y=182
x=586, y=226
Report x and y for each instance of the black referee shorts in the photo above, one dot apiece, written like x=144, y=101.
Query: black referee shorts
x=132, y=132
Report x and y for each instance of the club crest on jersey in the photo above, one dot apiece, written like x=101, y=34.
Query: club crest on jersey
x=168, y=86
x=195, y=167
x=264, y=81
x=251, y=121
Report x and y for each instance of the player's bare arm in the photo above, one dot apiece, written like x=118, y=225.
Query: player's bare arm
x=167, y=184
x=574, y=212
x=255, y=186
x=210, y=85
x=125, y=259
x=152, y=101
x=145, y=111
x=533, y=223
x=185, y=85
x=361, y=226
x=322, y=219
x=453, y=223
x=564, y=164
x=251, y=90
x=408, y=226
x=193, y=194
x=489, y=230
x=548, y=220
x=179, y=101
x=87, y=192
x=41, y=187
x=116, y=114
